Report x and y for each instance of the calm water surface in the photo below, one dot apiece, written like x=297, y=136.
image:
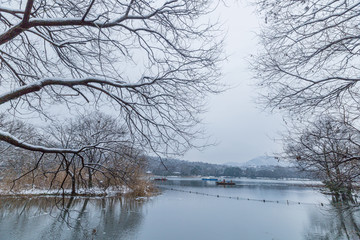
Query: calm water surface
x=186, y=209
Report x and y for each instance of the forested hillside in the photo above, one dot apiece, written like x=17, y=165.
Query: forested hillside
x=168, y=167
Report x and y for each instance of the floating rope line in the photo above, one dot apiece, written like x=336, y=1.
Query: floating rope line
x=286, y=202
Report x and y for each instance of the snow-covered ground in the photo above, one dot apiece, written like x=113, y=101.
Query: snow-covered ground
x=111, y=191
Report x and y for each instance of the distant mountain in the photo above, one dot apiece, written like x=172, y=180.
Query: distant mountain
x=262, y=161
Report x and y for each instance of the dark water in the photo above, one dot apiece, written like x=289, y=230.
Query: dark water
x=186, y=209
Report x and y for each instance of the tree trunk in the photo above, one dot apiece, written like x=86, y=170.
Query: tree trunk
x=73, y=185
x=90, y=184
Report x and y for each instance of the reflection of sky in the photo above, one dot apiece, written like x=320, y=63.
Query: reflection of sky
x=182, y=215
x=256, y=189
x=195, y=216
x=233, y=119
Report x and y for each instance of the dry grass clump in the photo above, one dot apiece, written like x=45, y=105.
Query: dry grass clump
x=142, y=188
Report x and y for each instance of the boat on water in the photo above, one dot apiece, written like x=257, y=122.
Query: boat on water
x=224, y=183
x=209, y=179
x=160, y=179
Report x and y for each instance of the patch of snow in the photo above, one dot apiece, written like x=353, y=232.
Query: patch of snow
x=111, y=191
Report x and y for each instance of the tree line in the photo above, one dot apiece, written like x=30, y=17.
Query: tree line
x=169, y=167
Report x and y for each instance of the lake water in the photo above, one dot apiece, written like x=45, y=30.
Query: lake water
x=186, y=209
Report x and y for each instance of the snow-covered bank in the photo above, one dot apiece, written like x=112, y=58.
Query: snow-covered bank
x=109, y=192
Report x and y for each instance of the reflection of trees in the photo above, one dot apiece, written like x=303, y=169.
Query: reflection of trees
x=339, y=221
x=70, y=218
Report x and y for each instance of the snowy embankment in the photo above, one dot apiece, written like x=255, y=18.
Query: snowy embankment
x=111, y=191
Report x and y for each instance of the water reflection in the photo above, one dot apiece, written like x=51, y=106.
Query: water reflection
x=322, y=219
x=70, y=218
x=179, y=215
x=334, y=222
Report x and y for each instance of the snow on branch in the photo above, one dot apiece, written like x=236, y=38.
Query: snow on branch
x=11, y=10
x=28, y=23
x=7, y=137
x=38, y=85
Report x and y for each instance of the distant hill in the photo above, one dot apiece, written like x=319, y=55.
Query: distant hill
x=172, y=166
x=262, y=161
x=257, y=167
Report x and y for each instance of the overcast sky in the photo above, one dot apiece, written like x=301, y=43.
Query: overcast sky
x=233, y=118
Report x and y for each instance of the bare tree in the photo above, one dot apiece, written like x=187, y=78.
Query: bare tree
x=113, y=161
x=14, y=160
x=310, y=54
x=329, y=148
x=151, y=62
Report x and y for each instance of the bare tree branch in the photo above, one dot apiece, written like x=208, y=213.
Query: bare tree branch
x=311, y=54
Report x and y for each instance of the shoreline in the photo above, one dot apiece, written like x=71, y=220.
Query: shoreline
x=96, y=192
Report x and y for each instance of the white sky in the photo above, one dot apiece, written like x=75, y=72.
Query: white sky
x=233, y=118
